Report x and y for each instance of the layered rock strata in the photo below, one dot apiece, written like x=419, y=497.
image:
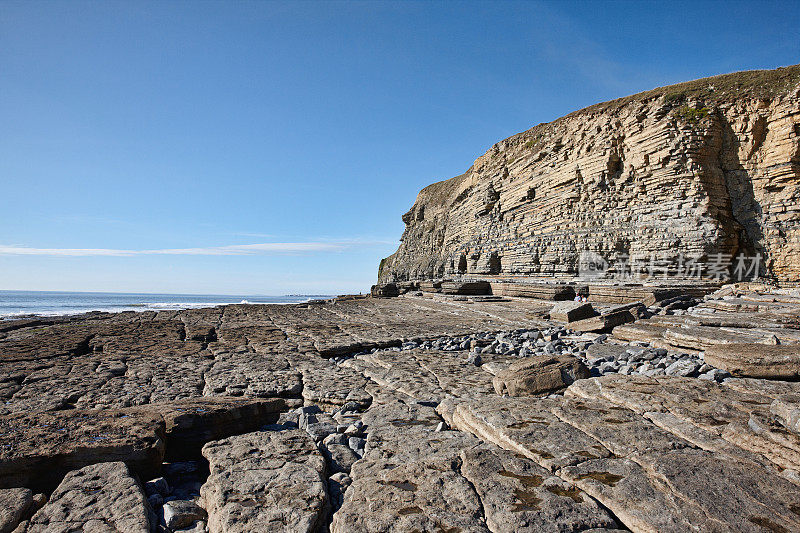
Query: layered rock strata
x=694, y=170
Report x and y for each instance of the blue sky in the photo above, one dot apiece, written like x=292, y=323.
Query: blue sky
x=271, y=148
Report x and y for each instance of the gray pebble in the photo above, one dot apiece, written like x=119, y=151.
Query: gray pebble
x=356, y=443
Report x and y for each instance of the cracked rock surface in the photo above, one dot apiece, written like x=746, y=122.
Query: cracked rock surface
x=381, y=415
x=101, y=497
x=265, y=481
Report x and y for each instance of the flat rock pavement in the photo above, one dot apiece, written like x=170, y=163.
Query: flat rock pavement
x=265, y=481
x=640, y=448
x=381, y=415
x=101, y=497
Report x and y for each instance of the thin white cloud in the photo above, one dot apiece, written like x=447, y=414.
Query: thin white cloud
x=252, y=234
x=235, y=249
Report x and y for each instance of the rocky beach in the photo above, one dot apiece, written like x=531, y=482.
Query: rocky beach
x=486, y=384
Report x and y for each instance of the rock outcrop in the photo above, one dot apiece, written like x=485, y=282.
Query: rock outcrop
x=460, y=396
x=756, y=360
x=700, y=168
x=643, y=449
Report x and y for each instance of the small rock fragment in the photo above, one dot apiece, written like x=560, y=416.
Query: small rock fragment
x=182, y=513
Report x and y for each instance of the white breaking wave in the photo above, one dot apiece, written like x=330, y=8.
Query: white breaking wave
x=78, y=309
x=66, y=312
x=168, y=306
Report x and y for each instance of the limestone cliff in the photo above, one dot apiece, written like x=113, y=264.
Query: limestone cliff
x=699, y=168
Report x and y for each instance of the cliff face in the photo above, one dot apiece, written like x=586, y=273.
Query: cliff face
x=699, y=168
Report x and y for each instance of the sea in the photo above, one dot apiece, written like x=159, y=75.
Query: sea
x=17, y=304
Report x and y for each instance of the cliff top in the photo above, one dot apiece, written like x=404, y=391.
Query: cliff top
x=723, y=88
x=719, y=89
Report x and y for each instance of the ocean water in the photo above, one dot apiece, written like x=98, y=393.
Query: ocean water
x=15, y=304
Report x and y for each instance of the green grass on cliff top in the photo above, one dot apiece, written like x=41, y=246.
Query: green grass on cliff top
x=751, y=84
x=754, y=84
x=724, y=88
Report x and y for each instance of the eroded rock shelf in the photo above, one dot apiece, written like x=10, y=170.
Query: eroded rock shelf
x=419, y=413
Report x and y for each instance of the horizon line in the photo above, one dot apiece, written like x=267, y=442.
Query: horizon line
x=227, y=250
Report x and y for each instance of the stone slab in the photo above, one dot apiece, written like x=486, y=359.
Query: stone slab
x=756, y=360
x=37, y=449
x=264, y=482
x=100, y=497
x=571, y=311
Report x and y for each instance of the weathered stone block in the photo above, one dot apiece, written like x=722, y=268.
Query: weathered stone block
x=466, y=287
x=100, y=497
x=265, y=481
x=756, y=360
x=15, y=505
x=37, y=449
x=603, y=322
x=572, y=311
x=539, y=375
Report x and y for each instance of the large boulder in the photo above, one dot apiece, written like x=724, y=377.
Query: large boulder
x=756, y=360
x=539, y=375
x=571, y=311
x=603, y=322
